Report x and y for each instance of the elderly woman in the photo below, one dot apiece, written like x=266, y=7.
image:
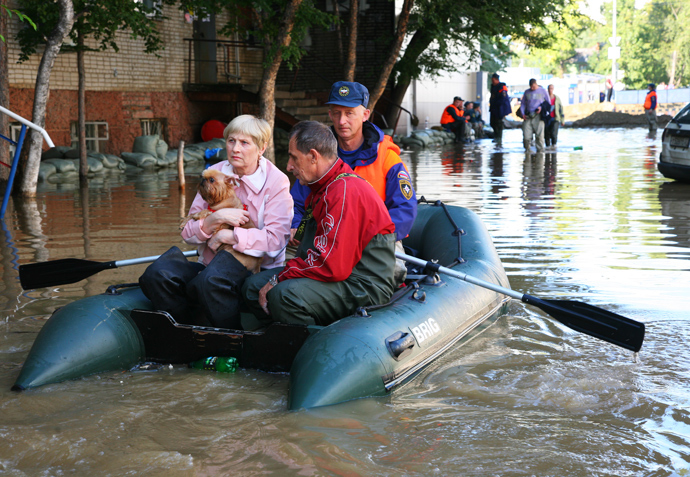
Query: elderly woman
x=212, y=286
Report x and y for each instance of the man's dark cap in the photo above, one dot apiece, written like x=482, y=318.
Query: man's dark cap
x=457, y=98
x=651, y=85
x=495, y=75
x=348, y=94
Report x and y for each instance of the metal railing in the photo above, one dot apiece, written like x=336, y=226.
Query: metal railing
x=15, y=160
x=234, y=61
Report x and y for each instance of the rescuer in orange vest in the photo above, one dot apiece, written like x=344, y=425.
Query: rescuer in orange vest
x=650, y=107
x=372, y=155
x=453, y=119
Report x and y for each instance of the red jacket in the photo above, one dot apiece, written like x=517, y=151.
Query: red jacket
x=348, y=215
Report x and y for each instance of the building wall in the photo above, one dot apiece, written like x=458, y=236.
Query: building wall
x=122, y=88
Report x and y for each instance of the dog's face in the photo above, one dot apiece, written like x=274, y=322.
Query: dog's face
x=216, y=186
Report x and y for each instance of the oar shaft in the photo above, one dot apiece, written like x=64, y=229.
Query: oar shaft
x=462, y=276
x=137, y=261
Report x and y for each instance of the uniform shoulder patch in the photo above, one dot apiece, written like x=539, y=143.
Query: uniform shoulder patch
x=405, y=187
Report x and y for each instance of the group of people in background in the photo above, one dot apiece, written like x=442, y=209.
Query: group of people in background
x=541, y=111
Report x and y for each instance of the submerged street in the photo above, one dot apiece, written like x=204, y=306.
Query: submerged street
x=526, y=396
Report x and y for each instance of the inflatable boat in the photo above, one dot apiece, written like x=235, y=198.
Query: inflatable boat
x=370, y=353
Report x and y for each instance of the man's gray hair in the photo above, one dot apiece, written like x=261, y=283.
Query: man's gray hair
x=314, y=135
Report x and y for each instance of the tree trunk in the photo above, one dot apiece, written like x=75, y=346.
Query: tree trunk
x=267, y=100
x=672, y=74
x=4, y=98
x=420, y=41
x=351, y=61
x=81, y=72
x=41, y=92
x=388, y=65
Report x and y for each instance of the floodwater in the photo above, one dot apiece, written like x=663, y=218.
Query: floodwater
x=525, y=397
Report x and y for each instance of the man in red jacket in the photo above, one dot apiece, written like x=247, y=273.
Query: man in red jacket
x=346, y=255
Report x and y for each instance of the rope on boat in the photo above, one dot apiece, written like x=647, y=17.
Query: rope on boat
x=429, y=270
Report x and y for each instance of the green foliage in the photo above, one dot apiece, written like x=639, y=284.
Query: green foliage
x=649, y=38
x=99, y=21
x=20, y=15
x=559, y=56
x=644, y=54
x=263, y=19
x=441, y=29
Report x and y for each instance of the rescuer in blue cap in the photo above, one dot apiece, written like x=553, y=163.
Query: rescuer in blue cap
x=373, y=156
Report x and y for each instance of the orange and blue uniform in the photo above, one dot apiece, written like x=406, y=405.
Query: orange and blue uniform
x=378, y=161
x=650, y=100
x=451, y=114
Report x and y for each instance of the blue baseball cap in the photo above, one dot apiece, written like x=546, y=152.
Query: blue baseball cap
x=348, y=94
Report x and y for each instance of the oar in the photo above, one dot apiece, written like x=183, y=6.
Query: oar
x=588, y=319
x=70, y=270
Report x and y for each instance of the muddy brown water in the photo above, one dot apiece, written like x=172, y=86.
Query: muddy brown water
x=525, y=397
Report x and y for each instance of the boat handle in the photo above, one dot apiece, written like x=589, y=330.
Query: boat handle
x=400, y=344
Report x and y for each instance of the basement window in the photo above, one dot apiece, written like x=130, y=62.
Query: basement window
x=97, y=135
x=154, y=127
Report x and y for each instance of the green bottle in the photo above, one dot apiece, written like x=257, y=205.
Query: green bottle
x=216, y=363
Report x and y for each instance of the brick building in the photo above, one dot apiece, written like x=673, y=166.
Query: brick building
x=198, y=76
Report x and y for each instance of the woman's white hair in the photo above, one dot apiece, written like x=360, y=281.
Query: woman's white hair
x=256, y=128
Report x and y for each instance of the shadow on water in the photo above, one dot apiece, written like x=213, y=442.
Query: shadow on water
x=526, y=396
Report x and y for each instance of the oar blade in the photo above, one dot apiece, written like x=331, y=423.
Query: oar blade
x=59, y=272
x=593, y=321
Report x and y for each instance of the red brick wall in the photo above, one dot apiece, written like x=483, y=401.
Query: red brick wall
x=123, y=112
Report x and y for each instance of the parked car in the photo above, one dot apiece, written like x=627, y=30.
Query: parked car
x=674, y=160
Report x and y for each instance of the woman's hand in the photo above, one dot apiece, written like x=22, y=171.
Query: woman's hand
x=223, y=236
x=293, y=242
x=232, y=217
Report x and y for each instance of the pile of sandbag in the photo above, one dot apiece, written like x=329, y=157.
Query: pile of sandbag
x=61, y=163
x=149, y=152
x=426, y=138
x=197, y=152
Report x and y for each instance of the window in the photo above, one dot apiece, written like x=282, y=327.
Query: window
x=152, y=8
x=15, y=129
x=97, y=135
x=151, y=127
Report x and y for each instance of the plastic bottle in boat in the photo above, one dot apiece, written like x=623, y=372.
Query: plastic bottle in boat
x=216, y=363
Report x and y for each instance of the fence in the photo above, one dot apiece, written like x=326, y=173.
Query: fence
x=663, y=96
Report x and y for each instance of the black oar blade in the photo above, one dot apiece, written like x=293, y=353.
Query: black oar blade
x=59, y=272
x=593, y=321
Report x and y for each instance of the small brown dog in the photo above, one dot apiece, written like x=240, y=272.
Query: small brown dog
x=218, y=190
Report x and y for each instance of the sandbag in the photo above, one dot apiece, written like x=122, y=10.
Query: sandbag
x=422, y=137
x=92, y=164
x=171, y=156
x=194, y=153
x=57, y=152
x=45, y=170
x=139, y=159
x=71, y=154
x=146, y=145
x=96, y=155
x=113, y=162
x=411, y=141
x=62, y=165
x=59, y=177
x=161, y=149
